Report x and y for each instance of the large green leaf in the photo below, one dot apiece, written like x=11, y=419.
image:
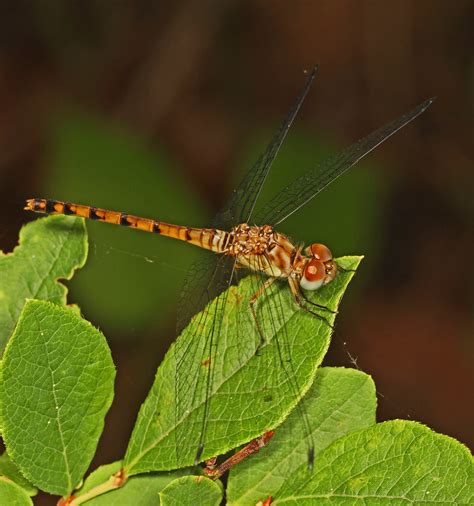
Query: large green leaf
x=192, y=490
x=250, y=392
x=49, y=249
x=396, y=462
x=339, y=401
x=57, y=387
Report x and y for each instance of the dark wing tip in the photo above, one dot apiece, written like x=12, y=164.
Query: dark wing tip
x=312, y=73
x=427, y=103
x=410, y=116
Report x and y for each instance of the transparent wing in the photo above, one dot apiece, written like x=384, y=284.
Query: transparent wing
x=303, y=189
x=242, y=202
x=209, y=357
x=202, y=284
x=196, y=356
x=207, y=278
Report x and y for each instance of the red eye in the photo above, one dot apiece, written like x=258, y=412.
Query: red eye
x=314, y=271
x=313, y=275
x=320, y=252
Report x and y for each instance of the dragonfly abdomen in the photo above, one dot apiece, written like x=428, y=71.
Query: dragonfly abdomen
x=206, y=238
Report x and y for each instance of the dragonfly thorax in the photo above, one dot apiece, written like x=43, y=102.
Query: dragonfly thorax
x=249, y=240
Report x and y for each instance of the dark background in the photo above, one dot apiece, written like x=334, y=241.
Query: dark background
x=157, y=108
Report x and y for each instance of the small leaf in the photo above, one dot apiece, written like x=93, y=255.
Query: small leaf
x=142, y=490
x=251, y=392
x=49, y=249
x=192, y=490
x=9, y=470
x=396, y=462
x=57, y=386
x=339, y=401
x=98, y=477
x=13, y=495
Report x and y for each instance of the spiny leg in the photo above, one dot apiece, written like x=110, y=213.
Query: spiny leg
x=295, y=290
x=343, y=269
x=319, y=306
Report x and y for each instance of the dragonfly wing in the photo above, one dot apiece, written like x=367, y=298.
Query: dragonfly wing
x=222, y=360
x=207, y=278
x=197, y=352
x=242, y=202
x=303, y=189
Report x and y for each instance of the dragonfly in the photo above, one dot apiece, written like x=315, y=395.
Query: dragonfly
x=246, y=240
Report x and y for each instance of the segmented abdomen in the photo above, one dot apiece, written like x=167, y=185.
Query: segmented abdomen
x=207, y=238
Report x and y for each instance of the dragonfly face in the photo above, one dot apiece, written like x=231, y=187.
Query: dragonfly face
x=320, y=268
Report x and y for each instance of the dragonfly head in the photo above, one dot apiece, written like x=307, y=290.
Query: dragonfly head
x=320, y=268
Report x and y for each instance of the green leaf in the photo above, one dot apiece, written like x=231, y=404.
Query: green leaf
x=251, y=392
x=98, y=477
x=13, y=495
x=339, y=401
x=142, y=490
x=57, y=387
x=100, y=163
x=49, y=249
x=192, y=490
x=1, y=398
x=9, y=470
x=396, y=462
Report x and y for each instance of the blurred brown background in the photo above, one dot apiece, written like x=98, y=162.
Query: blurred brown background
x=157, y=108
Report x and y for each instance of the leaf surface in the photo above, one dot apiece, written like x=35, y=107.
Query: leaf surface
x=49, y=249
x=57, y=387
x=13, y=495
x=250, y=392
x=396, y=462
x=339, y=401
x=192, y=490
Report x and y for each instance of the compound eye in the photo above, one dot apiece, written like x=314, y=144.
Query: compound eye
x=319, y=251
x=313, y=275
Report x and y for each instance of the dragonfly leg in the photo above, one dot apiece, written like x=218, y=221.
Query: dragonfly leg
x=319, y=306
x=295, y=290
x=214, y=472
x=252, y=302
x=342, y=269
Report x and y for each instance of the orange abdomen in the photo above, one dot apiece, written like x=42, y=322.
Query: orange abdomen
x=206, y=238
